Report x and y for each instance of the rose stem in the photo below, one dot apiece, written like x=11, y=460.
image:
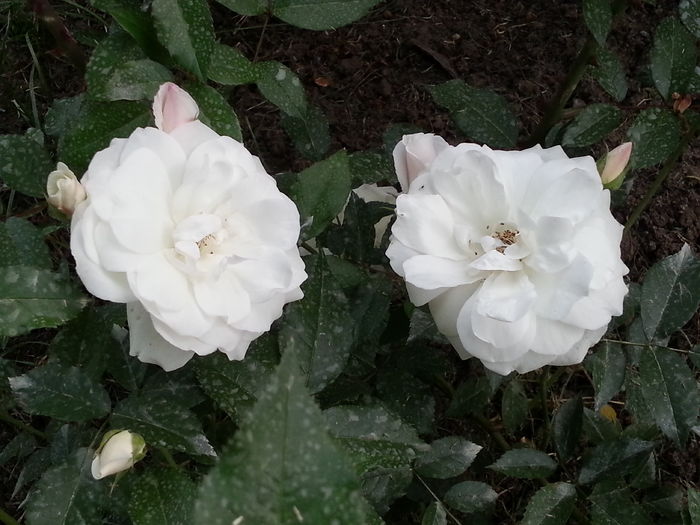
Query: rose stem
x=7, y=418
x=7, y=519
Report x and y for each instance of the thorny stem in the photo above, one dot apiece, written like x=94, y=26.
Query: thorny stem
x=663, y=174
x=7, y=519
x=48, y=16
x=486, y=424
x=7, y=418
x=555, y=109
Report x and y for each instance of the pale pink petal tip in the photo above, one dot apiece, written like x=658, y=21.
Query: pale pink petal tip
x=173, y=107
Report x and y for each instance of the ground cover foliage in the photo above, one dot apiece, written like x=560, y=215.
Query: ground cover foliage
x=353, y=409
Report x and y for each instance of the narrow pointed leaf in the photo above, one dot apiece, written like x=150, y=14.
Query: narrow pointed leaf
x=551, y=505
x=673, y=58
x=614, y=458
x=283, y=467
x=610, y=74
x=567, y=425
x=591, y=125
x=448, y=457
x=598, y=17
x=607, y=365
x=525, y=463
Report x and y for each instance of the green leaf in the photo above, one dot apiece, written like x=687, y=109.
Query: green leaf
x=230, y=67
x=35, y=298
x=470, y=397
x=471, y=497
x=321, y=14
x=598, y=17
x=368, y=167
x=671, y=392
x=689, y=11
x=60, y=391
x=67, y=494
x=87, y=341
x=283, y=467
x=119, y=70
x=613, y=505
x=25, y=164
x=610, y=74
x=162, y=423
x=319, y=328
x=185, y=28
x=215, y=111
x=694, y=506
x=373, y=436
x=670, y=294
x=309, y=132
x=434, y=515
x=18, y=447
x=236, y=385
x=614, y=459
x=480, y=114
x=382, y=486
x=127, y=370
x=179, y=386
x=321, y=192
x=282, y=87
x=95, y=127
x=655, y=134
x=591, y=125
x=448, y=457
x=673, y=58
x=525, y=463
x=21, y=243
x=567, y=425
x=162, y=497
x=63, y=114
x=551, y=505
x=607, y=366
x=246, y=7
x=134, y=21
x=514, y=406
x=597, y=428
x=408, y=397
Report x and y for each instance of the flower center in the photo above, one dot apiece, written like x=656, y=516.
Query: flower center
x=507, y=237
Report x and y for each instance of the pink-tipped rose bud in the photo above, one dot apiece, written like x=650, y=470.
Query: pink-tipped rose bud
x=413, y=154
x=615, y=165
x=64, y=190
x=173, y=107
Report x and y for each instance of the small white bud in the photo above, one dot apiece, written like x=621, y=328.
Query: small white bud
x=119, y=450
x=64, y=190
x=615, y=164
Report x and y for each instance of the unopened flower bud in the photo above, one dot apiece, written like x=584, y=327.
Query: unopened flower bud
x=119, y=450
x=614, y=165
x=64, y=190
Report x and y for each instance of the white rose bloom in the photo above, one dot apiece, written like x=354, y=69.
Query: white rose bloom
x=516, y=252
x=119, y=450
x=187, y=228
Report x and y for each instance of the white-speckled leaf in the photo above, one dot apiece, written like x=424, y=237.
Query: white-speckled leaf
x=319, y=328
x=235, y=385
x=309, y=132
x=655, y=134
x=134, y=20
x=610, y=74
x=471, y=497
x=321, y=14
x=673, y=57
x=162, y=497
x=67, y=494
x=551, y=505
x=186, y=30
x=25, y=164
x=35, y=298
x=689, y=11
x=282, y=87
x=613, y=505
x=670, y=294
x=525, y=463
x=480, y=114
x=591, y=125
x=21, y=243
x=162, y=423
x=63, y=392
x=214, y=110
x=671, y=392
x=607, y=366
x=598, y=17
x=321, y=192
x=434, y=515
x=283, y=468
x=97, y=124
x=448, y=457
x=228, y=66
x=119, y=70
x=246, y=7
